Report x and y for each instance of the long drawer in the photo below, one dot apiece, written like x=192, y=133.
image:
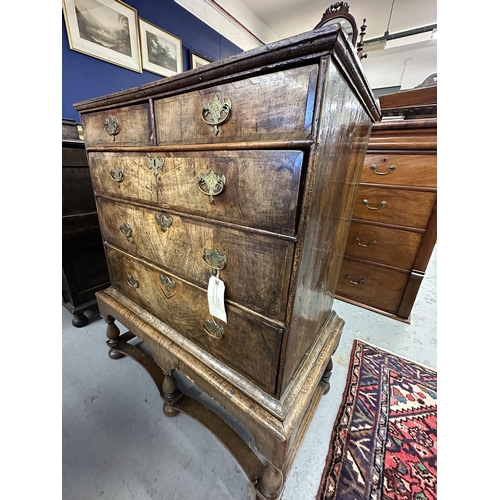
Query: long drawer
x=372, y=284
x=125, y=126
x=247, y=345
x=400, y=169
x=256, y=271
x=255, y=188
x=386, y=245
x=253, y=109
x=401, y=207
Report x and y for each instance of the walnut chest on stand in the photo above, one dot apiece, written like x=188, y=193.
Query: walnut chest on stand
x=243, y=172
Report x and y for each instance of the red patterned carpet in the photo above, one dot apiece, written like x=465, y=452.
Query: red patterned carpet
x=384, y=441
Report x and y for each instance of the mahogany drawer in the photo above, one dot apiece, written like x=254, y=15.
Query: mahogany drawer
x=394, y=247
x=400, y=169
x=256, y=273
x=259, y=110
x=372, y=284
x=248, y=345
x=261, y=188
x=133, y=129
x=401, y=207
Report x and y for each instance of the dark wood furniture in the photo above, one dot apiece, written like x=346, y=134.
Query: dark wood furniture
x=394, y=226
x=84, y=268
x=245, y=169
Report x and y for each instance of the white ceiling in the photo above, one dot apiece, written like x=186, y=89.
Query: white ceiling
x=290, y=17
x=405, y=62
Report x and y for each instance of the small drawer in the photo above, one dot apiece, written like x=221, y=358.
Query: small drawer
x=127, y=126
x=258, y=189
x=256, y=271
x=400, y=169
x=394, y=206
x=394, y=247
x=372, y=285
x=254, y=109
x=247, y=345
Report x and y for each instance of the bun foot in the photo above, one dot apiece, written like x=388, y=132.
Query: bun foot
x=79, y=320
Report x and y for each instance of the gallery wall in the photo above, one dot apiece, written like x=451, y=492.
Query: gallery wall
x=85, y=77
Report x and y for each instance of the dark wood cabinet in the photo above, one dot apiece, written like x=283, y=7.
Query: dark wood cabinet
x=84, y=268
x=394, y=225
x=242, y=171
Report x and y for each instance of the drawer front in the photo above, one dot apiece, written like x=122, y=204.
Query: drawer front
x=394, y=247
x=259, y=188
x=257, y=268
x=259, y=110
x=131, y=128
x=248, y=345
x=372, y=285
x=394, y=206
x=400, y=169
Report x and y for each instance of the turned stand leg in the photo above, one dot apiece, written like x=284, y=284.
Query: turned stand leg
x=326, y=375
x=271, y=483
x=112, y=332
x=170, y=394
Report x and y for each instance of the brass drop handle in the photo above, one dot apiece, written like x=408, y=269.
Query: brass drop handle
x=213, y=329
x=373, y=167
x=382, y=205
x=116, y=174
x=126, y=229
x=211, y=184
x=132, y=281
x=360, y=282
x=163, y=221
x=358, y=241
x=111, y=126
x=218, y=111
x=214, y=260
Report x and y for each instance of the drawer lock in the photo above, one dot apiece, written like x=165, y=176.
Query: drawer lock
x=360, y=282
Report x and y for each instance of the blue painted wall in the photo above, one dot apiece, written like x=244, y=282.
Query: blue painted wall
x=85, y=77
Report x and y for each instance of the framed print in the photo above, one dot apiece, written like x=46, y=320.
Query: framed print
x=105, y=29
x=197, y=60
x=161, y=51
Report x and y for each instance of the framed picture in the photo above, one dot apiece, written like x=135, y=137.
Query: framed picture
x=161, y=51
x=197, y=60
x=105, y=29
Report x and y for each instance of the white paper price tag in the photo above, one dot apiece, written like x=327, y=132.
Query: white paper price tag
x=216, y=289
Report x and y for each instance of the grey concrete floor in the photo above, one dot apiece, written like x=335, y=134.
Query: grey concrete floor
x=118, y=445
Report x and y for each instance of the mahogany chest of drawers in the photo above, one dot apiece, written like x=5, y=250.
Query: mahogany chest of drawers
x=243, y=171
x=393, y=229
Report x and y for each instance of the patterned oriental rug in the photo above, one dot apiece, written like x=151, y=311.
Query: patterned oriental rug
x=384, y=441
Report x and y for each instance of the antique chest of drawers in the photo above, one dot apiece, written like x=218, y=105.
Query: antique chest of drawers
x=242, y=173
x=393, y=230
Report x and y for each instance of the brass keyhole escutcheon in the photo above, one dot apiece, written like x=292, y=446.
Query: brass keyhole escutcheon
x=163, y=221
x=155, y=163
x=126, y=229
